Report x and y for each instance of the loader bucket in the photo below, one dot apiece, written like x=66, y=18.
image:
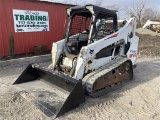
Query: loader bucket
x=51, y=92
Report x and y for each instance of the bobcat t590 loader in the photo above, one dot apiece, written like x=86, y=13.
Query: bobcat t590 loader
x=94, y=58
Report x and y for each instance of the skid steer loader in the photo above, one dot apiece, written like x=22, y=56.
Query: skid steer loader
x=94, y=58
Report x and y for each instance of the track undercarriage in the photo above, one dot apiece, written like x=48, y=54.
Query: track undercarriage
x=109, y=77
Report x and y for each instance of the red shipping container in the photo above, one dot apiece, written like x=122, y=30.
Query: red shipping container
x=25, y=41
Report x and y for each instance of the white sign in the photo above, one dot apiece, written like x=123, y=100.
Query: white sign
x=30, y=21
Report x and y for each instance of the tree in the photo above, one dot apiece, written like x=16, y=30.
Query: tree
x=137, y=10
x=150, y=14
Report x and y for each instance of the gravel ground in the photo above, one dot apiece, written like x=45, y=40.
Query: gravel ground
x=138, y=100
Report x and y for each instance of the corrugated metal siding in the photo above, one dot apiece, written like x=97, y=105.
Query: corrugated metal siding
x=24, y=42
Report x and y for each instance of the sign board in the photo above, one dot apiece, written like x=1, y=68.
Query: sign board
x=30, y=21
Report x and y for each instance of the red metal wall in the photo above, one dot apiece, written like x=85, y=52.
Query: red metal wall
x=25, y=41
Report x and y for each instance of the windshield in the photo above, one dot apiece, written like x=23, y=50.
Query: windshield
x=104, y=25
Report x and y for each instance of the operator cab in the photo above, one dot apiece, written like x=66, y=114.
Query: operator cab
x=88, y=24
x=78, y=32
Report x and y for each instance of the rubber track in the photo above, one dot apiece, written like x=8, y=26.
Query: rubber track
x=88, y=80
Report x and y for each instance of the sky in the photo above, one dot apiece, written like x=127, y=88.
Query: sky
x=155, y=4
x=150, y=3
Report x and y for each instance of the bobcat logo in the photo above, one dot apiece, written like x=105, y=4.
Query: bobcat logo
x=91, y=51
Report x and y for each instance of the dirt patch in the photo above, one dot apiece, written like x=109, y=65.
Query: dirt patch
x=149, y=43
x=140, y=99
x=15, y=107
